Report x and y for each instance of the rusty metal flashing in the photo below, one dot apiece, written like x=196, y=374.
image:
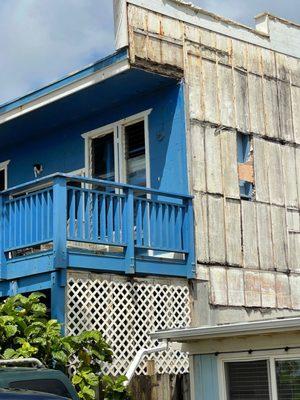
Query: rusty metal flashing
x=167, y=70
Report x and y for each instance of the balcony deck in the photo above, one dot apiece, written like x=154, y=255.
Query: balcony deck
x=63, y=221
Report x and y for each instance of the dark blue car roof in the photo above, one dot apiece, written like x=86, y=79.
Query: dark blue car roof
x=26, y=395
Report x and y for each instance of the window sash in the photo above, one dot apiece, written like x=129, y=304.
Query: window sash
x=272, y=357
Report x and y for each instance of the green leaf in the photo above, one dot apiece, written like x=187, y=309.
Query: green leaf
x=76, y=379
x=10, y=330
x=8, y=354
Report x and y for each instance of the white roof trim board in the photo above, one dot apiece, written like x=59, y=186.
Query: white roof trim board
x=230, y=330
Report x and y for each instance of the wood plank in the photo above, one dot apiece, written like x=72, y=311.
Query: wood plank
x=213, y=161
x=246, y=172
x=217, y=249
x=296, y=115
x=254, y=59
x=279, y=235
x=218, y=286
x=226, y=95
x=290, y=175
x=201, y=227
x=271, y=108
x=235, y=286
x=285, y=111
x=210, y=91
x=256, y=104
x=249, y=227
x=261, y=170
x=297, y=156
x=229, y=164
x=241, y=101
x=194, y=81
x=275, y=172
x=198, y=157
x=265, y=244
x=233, y=232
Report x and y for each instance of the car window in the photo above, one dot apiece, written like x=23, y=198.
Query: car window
x=53, y=386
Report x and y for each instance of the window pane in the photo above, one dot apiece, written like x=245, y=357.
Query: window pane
x=2, y=180
x=104, y=157
x=248, y=380
x=288, y=379
x=135, y=154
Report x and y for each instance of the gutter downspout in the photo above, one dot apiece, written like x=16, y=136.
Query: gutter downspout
x=139, y=356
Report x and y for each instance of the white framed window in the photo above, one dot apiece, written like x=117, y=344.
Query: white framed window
x=3, y=175
x=274, y=376
x=120, y=151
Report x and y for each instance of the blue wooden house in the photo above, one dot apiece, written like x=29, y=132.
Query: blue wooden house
x=93, y=176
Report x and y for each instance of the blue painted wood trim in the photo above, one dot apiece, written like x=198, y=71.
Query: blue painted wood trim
x=129, y=250
x=25, y=285
x=58, y=297
x=74, y=178
x=161, y=268
x=92, y=262
x=120, y=55
x=205, y=376
x=189, y=239
x=36, y=264
x=2, y=239
x=59, y=223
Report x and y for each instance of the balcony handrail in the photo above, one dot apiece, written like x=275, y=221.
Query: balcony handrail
x=100, y=182
x=49, y=210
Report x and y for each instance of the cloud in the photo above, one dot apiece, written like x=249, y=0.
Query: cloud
x=42, y=40
x=245, y=10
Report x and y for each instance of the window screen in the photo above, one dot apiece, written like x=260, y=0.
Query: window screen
x=288, y=379
x=53, y=386
x=2, y=180
x=247, y=380
x=135, y=154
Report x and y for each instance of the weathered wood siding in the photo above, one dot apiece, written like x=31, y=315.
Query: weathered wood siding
x=251, y=249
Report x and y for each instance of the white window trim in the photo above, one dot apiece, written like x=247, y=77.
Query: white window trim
x=3, y=167
x=271, y=356
x=117, y=128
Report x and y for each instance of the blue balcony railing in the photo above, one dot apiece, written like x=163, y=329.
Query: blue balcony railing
x=67, y=214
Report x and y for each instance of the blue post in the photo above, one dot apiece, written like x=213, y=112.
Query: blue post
x=58, y=297
x=2, y=238
x=129, y=218
x=60, y=223
x=189, y=239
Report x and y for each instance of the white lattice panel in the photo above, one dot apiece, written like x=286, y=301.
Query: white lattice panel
x=126, y=311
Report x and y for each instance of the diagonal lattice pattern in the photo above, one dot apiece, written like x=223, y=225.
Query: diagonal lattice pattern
x=126, y=311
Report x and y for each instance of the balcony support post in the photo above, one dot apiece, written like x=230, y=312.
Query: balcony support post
x=58, y=297
x=189, y=239
x=2, y=239
x=60, y=223
x=129, y=218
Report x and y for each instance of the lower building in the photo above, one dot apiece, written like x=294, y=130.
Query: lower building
x=254, y=360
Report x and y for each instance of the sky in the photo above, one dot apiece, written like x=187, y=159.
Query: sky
x=43, y=40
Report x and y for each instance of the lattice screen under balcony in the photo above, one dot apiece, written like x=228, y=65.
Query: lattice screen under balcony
x=126, y=311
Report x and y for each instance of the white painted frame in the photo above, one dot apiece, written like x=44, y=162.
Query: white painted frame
x=117, y=128
x=269, y=355
x=4, y=167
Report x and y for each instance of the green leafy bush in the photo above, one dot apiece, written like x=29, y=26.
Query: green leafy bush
x=25, y=331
